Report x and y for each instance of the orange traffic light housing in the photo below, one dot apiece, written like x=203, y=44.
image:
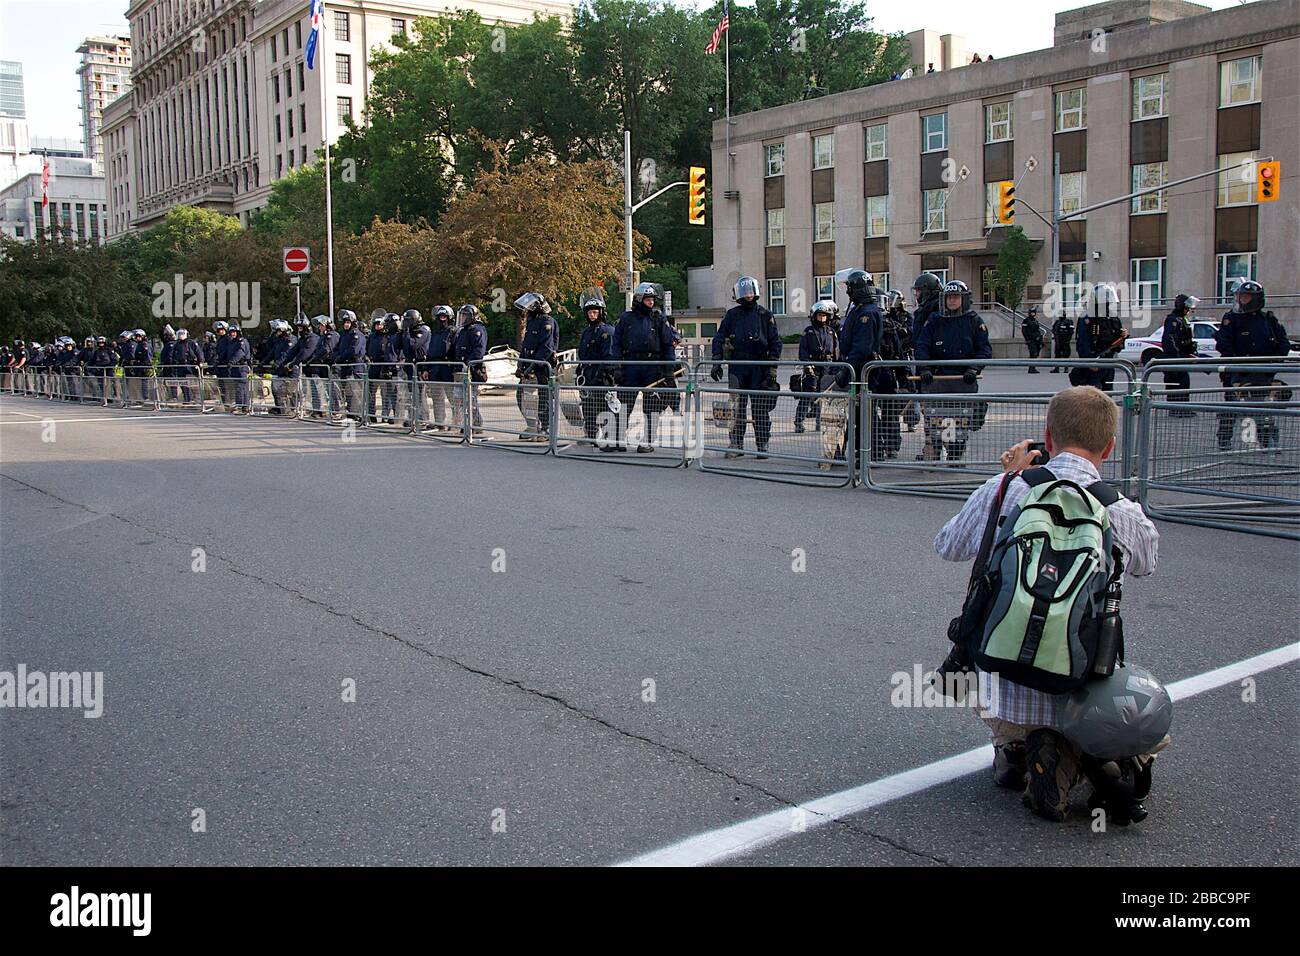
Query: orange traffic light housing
x=695, y=201
x=1006, y=203
x=1267, y=176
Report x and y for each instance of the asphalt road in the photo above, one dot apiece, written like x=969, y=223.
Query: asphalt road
x=518, y=695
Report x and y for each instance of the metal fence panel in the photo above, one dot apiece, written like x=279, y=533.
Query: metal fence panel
x=1220, y=445
x=387, y=394
x=943, y=442
x=515, y=415
x=441, y=411
x=801, y=430
x=178, y=386
x=648, y=421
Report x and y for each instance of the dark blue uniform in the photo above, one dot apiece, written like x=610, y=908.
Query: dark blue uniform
x=752, y=333
x=951, y=338
x=1062, y=335
x=141, y=369
x=441, y=347
x=187, y=356
x=819, y=343
x=860, y=338
x=348, y=357
x=595, y=349
x=541, y=342
x=1176, y=341
x=1098, y=336
x=471, y=346
x=236, y=357
x=1243, y=335
x=642, y=335
x=285, y=354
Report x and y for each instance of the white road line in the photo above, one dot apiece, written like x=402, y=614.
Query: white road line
x=714, y=846
x=14, y=411
x=114, y=421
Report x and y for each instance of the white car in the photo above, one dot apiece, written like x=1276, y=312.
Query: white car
x=1142, y=349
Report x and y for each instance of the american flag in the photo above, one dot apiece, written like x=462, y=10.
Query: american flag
x=723, y=25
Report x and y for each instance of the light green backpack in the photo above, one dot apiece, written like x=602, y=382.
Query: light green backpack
x=1048, y=580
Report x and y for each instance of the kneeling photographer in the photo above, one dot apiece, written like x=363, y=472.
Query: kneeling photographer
x=1051, y=543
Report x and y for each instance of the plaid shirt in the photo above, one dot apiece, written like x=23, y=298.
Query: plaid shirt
x=959, y=540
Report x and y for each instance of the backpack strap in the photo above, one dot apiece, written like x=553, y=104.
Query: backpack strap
x=990, y=528
x=1104, y=492
x=1037, y=476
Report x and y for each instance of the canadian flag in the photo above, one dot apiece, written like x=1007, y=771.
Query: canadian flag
x=45, y=184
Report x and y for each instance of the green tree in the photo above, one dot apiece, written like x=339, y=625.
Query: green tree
x=1015, y=265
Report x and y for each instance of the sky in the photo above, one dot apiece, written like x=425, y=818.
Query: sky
x=44, y=35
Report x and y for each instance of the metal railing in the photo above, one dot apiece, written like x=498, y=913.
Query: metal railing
x=631, y=412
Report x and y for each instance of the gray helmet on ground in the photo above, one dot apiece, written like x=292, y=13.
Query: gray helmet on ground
x=533, y=302
x=1123, y=715
x=745, y=287
x=957, y=287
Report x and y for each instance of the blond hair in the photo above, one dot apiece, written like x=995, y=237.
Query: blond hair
x=1082, y=417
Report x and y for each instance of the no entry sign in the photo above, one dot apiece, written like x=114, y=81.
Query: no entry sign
x=297, y=260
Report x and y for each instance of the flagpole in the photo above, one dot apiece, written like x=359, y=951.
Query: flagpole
x=325, y=141
x=726, y=11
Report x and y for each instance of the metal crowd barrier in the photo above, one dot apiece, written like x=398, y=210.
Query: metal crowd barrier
x=179, y=386
x=805, y=435
x=1222, y=454
x=946, y=444
x=387, y=395
x=441, y=412
x=522, y=411
x=605, y=415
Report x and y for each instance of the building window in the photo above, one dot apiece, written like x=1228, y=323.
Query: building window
x=776, y=227
x=775, y=160
x=273, y=54
x=1148, y=280
x=1074, y=192
x=997, y=122
x=882, y=280
x=936, y=217
x=342, y=68
x=342, y=26
x=1071, y=110
x=1237, y=185
x=825, y=286
x=876, y=142
x=302, y=155
x=302, y=118
x=278, y=129
x=992, y=197
x=1149, y=96
x=288, y=117
x=1074, y=283
x=776, y=296
x=297, y=33
x=823, y=151
x=398, y=28
x=1233, y=269
x=1146, y=175
x=345, y=109
x=302, y=78
x=1240, y=81
x=823, y=221
x=934, y=132
x=877, y=216
x=290, y=155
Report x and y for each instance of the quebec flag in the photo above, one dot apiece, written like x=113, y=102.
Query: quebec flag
x=317, y=16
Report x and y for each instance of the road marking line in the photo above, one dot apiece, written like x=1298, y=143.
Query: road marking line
x=115, y=421
x=738, y=839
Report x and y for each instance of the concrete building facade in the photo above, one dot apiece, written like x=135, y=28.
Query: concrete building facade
x=13, y=98
x=902, y=177
x=105, y=73
x=223, y=103
x=77, y=209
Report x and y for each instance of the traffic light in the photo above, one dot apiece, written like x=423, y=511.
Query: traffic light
x=1006, y=202
x=695, y=202
x=1266, y=181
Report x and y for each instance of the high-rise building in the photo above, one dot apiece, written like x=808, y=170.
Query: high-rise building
x=13, y=102
x=105, y=73
x=223, y=103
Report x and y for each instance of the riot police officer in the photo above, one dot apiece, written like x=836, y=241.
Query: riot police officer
x=902, y=323
x=103, y=366
x=595, y=375
x=471, y=346
x=1249, y=330
x=348, y=359
x=895, y=345
x=285, y=355
x=140, y=369
x=1177, y=341
x=382, y=359
x=237, y=358
x=187, y=357
x=1032, y=330
x=437, y=373
x=750, y=331
x=1100, y=335
x=643, y=335
x=957, y=333
x=819, y=343
x=927, y=292
x=540, y=344
x=321, y=397
x=1062, y=336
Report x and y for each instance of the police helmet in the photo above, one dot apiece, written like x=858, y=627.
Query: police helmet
x=1123, y=715
x=861, y=286
x=18, y=342
x=956, y=287
x=894, y=300
x=347, y=315
x=1183, y=304
x=443, y=314
x=377, y=323
x=323, y=321
x=393, y=322
x=412, y=318
x=302, y=321
x=219, y=327
x=644, y=289
x=168, y=333
x=467, y=314
x=592, y=298
x=926, y=288
x=232, y=328
x=1249, y=295
x=826, y=310
x=182, y=334
x=209, y=336
x=103, y=340
x=90, y=341
x=138, y=333
x=1104, y=296
x=746, y=287
x=532, y=302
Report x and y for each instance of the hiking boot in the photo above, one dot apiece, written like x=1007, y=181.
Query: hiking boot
x=1047, y=792
x=734, y=453
x=1009, y=769
x=644, y=449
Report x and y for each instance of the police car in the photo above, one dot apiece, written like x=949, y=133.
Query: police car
x=1140, y=350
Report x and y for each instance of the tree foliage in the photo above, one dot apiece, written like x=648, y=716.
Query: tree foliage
x=1015, y=266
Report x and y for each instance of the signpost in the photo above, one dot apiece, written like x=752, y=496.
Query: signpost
x=297, y=263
